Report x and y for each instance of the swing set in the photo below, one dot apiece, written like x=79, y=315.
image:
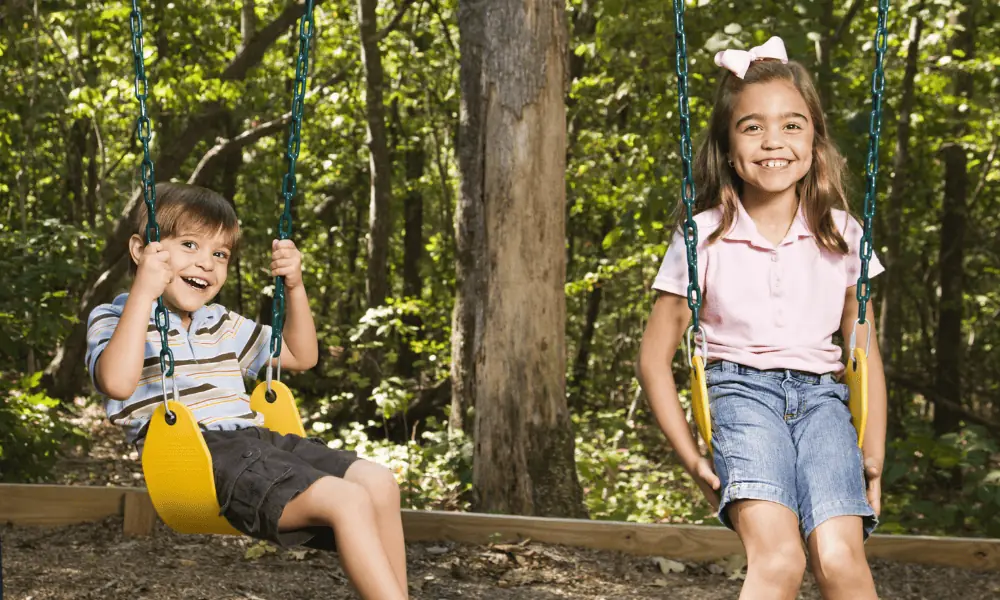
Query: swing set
x=176, y=462
x=175, y=459
x=857, y=365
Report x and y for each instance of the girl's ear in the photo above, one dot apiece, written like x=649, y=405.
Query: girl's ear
x=135, y=245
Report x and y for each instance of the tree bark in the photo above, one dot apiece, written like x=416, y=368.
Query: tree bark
x=248, y=23
x=470, y=232
x=378, y=161
x=76, y=149
x=524, y=450
x=413, y=245
x=891, y=313
x=949, y=347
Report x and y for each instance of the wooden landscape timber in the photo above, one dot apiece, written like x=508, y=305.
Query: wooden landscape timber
x=60, y=505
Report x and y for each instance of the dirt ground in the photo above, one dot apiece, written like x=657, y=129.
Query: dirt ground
x=95, y=561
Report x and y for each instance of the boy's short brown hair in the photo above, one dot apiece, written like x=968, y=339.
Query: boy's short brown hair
x=183, y=207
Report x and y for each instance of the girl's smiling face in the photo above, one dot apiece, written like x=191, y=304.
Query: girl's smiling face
x=771, y=136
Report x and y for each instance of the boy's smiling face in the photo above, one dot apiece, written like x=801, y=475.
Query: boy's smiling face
x=200, y=261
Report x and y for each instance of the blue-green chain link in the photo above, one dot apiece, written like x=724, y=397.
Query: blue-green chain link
x=144, y=132
x=687, y=185
x=288, y=186
x=863, y=290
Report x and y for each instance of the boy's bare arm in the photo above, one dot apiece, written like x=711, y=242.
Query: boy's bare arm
x=119, y=366
x=299, y=350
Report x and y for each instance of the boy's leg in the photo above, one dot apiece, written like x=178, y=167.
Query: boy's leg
x=268, y=492
x=347, y=508
x=384, y=491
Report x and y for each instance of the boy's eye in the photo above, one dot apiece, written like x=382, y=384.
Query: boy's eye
x=188, y=244
x=222, y=255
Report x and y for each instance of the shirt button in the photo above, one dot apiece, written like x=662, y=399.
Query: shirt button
x=774, y=257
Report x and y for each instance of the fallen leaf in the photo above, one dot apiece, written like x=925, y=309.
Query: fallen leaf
x=668, y=566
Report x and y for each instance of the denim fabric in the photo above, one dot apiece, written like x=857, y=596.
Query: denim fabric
x=786, y=436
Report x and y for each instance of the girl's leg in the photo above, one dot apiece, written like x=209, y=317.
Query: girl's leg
x=348, y=509
x=837, y=557
x=775, y=559
x=384, y=492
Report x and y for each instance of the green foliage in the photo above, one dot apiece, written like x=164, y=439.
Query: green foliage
x=626, y=474
x=31, y=433
x=964, y=468
x=434, y=473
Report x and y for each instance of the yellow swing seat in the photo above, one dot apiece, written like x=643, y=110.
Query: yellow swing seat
x=857, y=382
x=178, y=467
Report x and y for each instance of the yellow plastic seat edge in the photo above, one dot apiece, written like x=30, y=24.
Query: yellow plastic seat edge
x=281, y=415
x=857, y=381
x=699, y=401
x=179, y=476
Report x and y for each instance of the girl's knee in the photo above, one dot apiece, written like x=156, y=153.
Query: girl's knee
x=781, y=561
x=836, y=558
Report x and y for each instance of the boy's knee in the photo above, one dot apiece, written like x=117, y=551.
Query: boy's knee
x=338, y=499
x=379, y=482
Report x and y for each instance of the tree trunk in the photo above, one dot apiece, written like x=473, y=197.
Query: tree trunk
x=470, y=233
x=413, y=246
x=582, y=362
x=248, y=23
x=524, y=451
x=91, y=202
x=378, y=161
x=949, y=347
x=76, y=149
x=380, y=172
x=891, y=325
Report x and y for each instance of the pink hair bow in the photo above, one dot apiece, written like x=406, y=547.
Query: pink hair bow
x=738, y=61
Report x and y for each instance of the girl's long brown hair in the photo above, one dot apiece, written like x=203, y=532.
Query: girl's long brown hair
x=820, y=191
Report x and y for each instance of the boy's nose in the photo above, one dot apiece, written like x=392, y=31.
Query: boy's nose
x=204, y=261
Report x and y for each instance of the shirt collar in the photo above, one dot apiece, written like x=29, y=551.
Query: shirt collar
x=743, y=229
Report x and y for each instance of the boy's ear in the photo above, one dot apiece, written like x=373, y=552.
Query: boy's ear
x=135, y=245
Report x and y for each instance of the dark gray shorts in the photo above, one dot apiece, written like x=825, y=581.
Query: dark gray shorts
x=259, y=471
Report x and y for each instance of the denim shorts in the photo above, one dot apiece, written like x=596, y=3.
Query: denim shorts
x=259, y=471
x=786, y=436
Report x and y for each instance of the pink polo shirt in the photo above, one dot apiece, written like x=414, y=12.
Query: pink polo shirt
x=766, y=306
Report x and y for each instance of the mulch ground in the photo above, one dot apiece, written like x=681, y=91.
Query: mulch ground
x=95, y=561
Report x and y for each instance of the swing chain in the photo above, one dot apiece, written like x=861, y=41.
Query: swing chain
x=144, y=132
x=288, y=185
x=687, y=185
x=863, y=290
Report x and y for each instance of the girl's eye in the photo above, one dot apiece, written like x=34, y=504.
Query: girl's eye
x=793, y=126
x=752, y=128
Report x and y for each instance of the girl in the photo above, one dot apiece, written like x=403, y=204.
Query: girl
x=777, y=265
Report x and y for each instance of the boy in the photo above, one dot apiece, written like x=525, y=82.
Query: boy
x=281, y=488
